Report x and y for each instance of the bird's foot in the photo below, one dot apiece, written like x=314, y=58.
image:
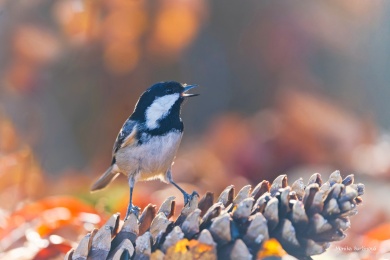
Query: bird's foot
x=131, y=209
x=188, y=197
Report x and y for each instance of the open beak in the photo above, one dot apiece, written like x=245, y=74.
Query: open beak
x=186, y=88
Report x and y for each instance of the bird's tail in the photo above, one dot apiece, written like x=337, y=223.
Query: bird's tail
x=105, y=179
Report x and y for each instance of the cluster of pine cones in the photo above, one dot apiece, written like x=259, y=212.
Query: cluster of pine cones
x=301, y=219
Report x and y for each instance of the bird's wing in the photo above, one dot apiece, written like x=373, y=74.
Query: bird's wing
x=126, y=136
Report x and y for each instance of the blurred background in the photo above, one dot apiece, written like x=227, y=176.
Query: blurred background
x=287, y=87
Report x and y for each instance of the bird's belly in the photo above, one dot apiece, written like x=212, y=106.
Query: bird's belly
x=150, y=160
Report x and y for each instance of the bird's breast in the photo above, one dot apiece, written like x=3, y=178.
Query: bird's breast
x=152, y=157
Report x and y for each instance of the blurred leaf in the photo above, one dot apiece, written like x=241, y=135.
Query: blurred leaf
x=20, y=174
x=176, y=26
x=73, y=206
x=52, y=251
x=79, y=20
x=193, y=249
x=271, y=248
x=381, y=232
x=35, y=44
x=53, y=215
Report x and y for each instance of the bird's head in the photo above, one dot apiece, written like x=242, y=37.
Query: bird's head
x=162, y=100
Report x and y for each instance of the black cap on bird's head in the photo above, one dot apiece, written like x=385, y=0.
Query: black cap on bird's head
x=170, y=87
x=161, y=100
x=171, y=90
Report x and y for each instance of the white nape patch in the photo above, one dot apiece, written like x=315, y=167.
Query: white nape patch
x=159, y=108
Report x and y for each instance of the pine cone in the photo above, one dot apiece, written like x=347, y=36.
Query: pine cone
x=303, y=219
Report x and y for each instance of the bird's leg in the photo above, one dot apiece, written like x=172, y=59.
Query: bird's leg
x=187, y=197
x=131, y=208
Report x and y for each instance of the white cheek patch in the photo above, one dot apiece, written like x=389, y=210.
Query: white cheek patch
x=159, y=108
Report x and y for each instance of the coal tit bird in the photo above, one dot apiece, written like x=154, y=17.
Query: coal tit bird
x=147, y=143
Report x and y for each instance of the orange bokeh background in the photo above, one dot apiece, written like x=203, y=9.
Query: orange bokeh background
x=286, y=87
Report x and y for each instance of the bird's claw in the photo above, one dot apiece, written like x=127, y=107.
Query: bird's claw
x=132, y=210
x=188, y=197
